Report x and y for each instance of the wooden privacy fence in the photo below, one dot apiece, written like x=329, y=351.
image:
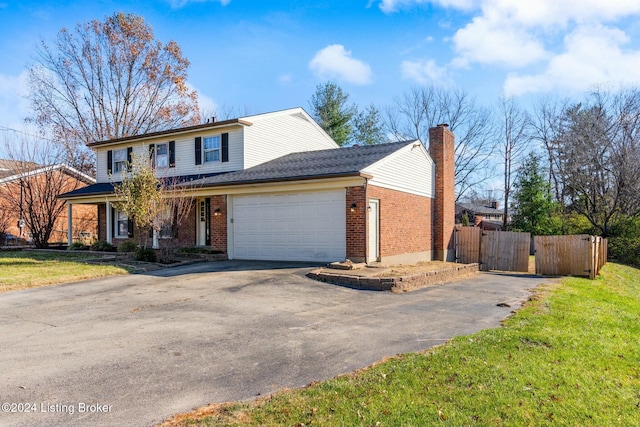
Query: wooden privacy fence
x=577, y=255
x=493, y=250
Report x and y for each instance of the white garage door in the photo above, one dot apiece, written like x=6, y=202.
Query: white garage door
x=290, y=226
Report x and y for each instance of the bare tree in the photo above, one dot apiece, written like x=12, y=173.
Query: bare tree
x=109, y=79
x=41, y=177
x=596, y=156
x=514, y=138
x=424, y=107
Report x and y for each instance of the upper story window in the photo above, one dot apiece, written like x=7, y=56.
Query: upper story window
x=119, y=160
x=212, y=148
x=163, y=155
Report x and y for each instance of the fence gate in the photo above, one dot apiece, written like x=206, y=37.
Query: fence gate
x=505, y=251
x=576, y=255
x=467, y=245
x=493, y=250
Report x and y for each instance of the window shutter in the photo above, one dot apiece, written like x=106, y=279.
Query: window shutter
x=198, y=150
x=225, y=147
x=109, y=161
x=129, y=227
x=172, y=154
x=152, y=155
x=129, y=157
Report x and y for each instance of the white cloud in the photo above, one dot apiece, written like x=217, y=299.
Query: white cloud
x=424, y=72
x=483, y=41
x=335, y=62
x=593, y=55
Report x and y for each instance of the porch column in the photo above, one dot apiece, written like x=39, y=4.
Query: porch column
x=69, y=223
x=156, y=243
x=109, y=223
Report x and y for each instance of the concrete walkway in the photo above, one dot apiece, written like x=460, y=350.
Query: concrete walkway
x=133, y=350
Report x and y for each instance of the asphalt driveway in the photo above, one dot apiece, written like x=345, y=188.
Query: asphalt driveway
x=133, y=350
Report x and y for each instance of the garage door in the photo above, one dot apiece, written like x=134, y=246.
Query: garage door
x=290, y=226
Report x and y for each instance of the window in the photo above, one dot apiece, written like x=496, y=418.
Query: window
x=212, y=149
x=166, y=224
x=120, y=160
x=122, y=224
x=162, y=156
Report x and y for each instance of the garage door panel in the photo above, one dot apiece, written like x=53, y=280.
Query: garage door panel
x=296, y=226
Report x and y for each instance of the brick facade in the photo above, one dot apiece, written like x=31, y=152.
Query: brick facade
x=405, y=223
x=356, y=229
x=219, y=223
x=441, y=149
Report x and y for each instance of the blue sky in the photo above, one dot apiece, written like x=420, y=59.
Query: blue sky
x=257, y=56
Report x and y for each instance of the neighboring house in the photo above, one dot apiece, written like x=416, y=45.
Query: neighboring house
x=485, y=216
x=25, y=186
x=275, y=186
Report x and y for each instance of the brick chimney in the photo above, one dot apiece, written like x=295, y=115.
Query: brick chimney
x=441, y=149
x=495, y=204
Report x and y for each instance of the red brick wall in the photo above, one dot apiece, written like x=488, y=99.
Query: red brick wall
x=405, y=221
x=355, y=224
x=219, y=223
x=441, y=149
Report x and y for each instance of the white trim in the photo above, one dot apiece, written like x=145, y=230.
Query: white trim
x=44, y=169
x=109, y=219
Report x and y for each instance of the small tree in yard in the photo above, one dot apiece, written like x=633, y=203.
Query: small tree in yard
x=536, y=211
x=157, y=204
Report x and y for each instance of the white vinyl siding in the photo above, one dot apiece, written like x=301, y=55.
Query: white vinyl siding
x=410, y=170
x=308, y=226
x=185, y=155
x=276, y=134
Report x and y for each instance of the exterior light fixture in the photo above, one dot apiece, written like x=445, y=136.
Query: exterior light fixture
x=217, y=212
x=353, y=206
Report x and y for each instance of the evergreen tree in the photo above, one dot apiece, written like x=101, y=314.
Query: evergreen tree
x=535, y=209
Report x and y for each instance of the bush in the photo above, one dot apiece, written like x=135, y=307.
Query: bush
x=102, y=246
x=128, y=246
x=146, y=254
x=77, y=246
x=624, y=241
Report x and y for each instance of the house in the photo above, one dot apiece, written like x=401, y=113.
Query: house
x=484, y=215
x=27, y=191
x=275, y=186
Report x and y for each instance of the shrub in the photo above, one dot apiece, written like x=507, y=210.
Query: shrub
x=77, y=246
x=128, y=246
x=102, y=246
x=146, y=254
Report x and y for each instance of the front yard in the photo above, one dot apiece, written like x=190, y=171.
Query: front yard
x=23, y=270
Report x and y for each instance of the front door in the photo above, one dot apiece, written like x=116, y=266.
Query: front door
x=203, y=219
x=374, y=230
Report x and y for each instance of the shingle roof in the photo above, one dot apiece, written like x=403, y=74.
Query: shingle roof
x=332, y=162
x=309, y=164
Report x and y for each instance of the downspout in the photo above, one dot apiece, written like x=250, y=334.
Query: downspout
x=366, y=222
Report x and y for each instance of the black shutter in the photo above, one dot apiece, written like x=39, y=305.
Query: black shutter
x=152, y=155
x=109, y=161
x=129, y=227
x=225, y=147
x=198, y=150
x=172, y=154
x=129, y=158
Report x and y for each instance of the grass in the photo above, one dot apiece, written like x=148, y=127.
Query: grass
x=570, y=357
x=22, y=270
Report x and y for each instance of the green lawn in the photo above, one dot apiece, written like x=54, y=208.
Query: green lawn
x=570, y=357
x=22, y=270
